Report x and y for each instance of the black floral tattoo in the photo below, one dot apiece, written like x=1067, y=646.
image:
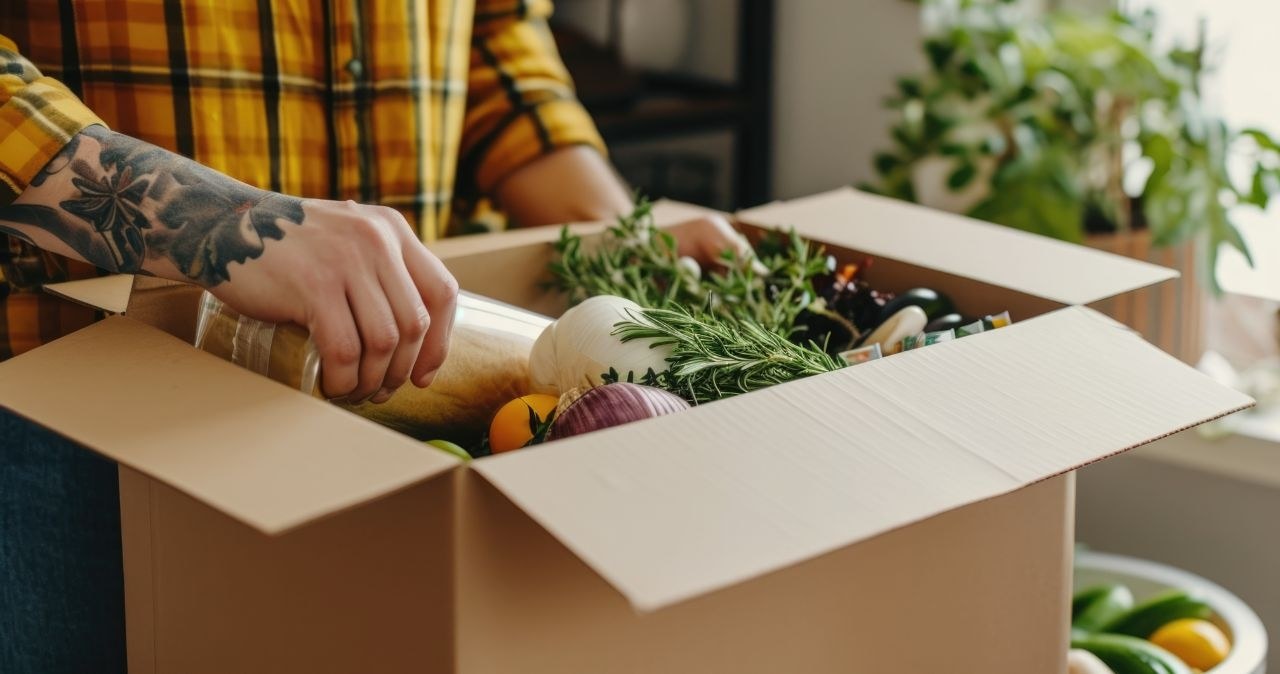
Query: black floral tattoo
x=206, y=233
x=134, y=202
x=112, y=202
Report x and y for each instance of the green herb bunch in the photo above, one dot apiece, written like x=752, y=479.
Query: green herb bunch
x=640, y=262
x=715, y=356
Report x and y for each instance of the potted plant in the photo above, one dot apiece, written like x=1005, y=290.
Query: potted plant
x=1078, y=126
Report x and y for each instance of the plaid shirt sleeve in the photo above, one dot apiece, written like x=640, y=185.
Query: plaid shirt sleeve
x=520, y=100
x=38, y=117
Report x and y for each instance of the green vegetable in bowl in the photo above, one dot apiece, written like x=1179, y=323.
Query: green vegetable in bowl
x=1144, y=619
x=1095, y=607
x=1130, y=655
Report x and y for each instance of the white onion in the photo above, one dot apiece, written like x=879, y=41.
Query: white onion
x=578, y=348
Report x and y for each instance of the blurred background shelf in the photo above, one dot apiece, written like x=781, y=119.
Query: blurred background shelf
x=659, y=113
x=681, y=91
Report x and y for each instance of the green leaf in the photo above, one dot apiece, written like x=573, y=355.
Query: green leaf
x=1208, y=253
x=885, y=162
x=909, y=87
x=1226, y=232
x=1033, y=196
x=1258, y=194
x=939, y=52
x=1262, y=138
x=1160, y=150
x=1194, y=124
x=934, y=126
x=904, y=139
x=962, y=176
x=1165, y=207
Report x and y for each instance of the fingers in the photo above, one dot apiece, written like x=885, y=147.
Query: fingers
x=382, y=311
x=723, y=237
x=412, y=320
x=706, y=239
x=338, y=341
x=379, y=334
x=439, y=291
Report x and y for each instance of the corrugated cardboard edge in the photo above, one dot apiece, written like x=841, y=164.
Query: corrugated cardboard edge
x=106, y=293
x=665, y=214
x=596, y=471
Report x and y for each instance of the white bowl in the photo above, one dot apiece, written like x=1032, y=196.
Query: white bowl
x=1248, y=637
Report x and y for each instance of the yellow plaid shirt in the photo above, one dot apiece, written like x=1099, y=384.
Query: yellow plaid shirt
x=422, y=105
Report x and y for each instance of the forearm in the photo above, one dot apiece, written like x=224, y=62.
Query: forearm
x=572, y=184
x=127, y=206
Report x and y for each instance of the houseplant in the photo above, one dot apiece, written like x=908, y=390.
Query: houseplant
x=1069, y=124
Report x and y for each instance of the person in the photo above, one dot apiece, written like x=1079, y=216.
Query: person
x=290, y=157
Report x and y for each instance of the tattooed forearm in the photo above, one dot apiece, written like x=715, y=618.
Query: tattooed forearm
x=123, y=204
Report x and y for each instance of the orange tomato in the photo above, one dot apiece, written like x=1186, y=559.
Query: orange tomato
x=510, y=426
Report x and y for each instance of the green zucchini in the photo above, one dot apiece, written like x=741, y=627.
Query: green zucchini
x=1130, y=655
x=1144, y=619
x=1098, y=606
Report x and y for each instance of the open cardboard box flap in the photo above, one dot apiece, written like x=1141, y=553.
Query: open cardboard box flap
x=1009, y=258
x=685, y=504
x=254, y=449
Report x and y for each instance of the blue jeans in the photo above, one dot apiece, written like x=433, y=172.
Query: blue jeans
x=61, y=578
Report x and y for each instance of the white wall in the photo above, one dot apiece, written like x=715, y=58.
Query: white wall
x=835, y=62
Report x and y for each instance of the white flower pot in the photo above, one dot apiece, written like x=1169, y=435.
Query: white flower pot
x=1248, y=637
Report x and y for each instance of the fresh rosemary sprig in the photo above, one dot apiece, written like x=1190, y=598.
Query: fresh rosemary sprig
x=716, y=357
x=640, y=262
x=624, y=264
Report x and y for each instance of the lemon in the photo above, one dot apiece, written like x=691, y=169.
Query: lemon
x=1199, y=643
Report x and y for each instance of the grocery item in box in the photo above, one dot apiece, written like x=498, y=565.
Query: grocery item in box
x=488, y=365
x=861, y=354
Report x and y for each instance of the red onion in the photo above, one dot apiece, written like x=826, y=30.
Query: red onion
x=613, y=405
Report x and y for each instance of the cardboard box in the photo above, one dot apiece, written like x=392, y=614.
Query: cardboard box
x=912, y=514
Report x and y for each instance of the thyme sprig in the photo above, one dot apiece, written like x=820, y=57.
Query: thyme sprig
x=640, y=262
x=716, y=357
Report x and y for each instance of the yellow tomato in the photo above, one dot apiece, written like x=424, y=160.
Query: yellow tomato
x=510, y=426
x=1199, y=643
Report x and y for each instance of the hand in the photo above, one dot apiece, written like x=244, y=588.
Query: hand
x=706, y=239
x=379, y=305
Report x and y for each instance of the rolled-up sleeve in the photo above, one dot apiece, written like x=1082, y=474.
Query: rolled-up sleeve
x=38, y=117
x=520, y=100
